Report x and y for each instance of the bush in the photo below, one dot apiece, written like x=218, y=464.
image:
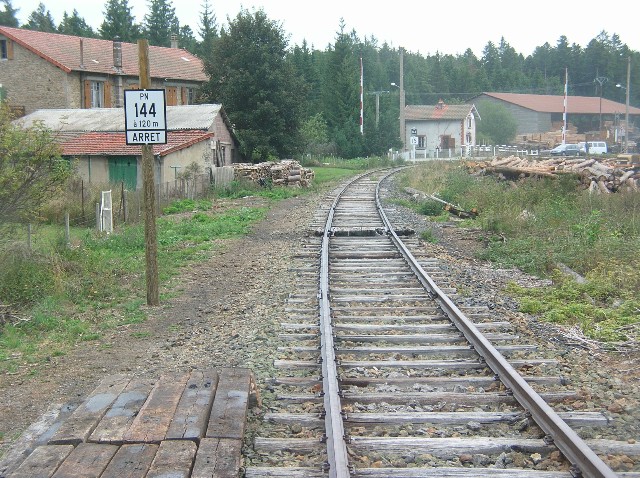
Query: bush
x=27, y=277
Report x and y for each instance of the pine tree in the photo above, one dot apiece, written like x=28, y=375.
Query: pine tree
x=8, y=15
x=208, y=30
x=160, y=23
x=187, y=40
x=75, y=25
x=341, y=94
x=41, y=20
x=119, y=22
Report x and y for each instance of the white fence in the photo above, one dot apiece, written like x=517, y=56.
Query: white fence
x=464, y=152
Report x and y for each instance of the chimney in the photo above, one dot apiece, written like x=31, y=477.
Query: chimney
x=82, y=53
x=117, y=53
x=174, y=40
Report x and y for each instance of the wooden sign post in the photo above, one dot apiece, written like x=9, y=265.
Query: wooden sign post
x=150, y=237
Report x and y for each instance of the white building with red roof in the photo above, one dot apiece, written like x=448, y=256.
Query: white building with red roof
x=440, y=129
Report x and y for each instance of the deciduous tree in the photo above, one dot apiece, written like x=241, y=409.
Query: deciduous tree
x=31, y=169
x=497, y=125
x=259, y=89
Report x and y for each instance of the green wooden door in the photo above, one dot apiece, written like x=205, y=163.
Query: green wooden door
x=124, y=169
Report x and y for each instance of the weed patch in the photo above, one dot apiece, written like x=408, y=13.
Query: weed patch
x=70, y=295
x=535, y=224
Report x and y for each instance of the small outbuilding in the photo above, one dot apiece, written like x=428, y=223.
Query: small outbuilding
x=95, y=140
x=434, y=130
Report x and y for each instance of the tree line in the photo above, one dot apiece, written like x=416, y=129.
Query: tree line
x=287, y=100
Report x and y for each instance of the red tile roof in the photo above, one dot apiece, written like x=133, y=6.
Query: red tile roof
x=437, y=112
x=114, y=144
x=97, y=55
x=555, y=103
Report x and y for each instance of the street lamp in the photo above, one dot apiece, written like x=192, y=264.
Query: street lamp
x=626, y=106
x=402, y=125
x=401, y=117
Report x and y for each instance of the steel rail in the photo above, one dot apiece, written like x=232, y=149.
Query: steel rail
x=583, y=458
x=334, y=426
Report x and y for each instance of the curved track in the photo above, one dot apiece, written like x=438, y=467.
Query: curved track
x=387, y=377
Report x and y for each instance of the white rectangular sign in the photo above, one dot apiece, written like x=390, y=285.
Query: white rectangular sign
x=145, y=116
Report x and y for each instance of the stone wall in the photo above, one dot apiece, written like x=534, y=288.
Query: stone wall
x=34, y=83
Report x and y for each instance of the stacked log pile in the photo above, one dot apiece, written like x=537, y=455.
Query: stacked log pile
x=552, y=138
x=598, y=175
x=287, y=172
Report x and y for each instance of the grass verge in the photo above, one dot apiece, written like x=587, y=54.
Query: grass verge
x=536, y=225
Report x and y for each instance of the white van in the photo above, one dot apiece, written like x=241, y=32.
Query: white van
x=595, y=147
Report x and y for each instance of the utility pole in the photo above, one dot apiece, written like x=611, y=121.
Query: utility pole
x=402, y=102
x=377, y=93
x=601, y=80
x=150, y=236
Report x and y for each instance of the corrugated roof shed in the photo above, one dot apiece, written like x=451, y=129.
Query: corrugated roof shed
x=187, y=117
x=95, y=55
x=555, y=103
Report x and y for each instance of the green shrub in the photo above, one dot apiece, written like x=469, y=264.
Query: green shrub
x=27, y=276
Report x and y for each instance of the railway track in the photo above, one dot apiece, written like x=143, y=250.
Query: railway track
x=382, y=375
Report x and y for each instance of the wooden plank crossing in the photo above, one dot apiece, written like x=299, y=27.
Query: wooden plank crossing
x=187, y=425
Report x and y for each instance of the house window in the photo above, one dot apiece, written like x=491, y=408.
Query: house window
x=468, y=121
x=187, y=96
x=422, y=141
x=97, y=94
x=6, y=50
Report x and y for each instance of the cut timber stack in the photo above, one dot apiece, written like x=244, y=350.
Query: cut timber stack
x=287, y=172
x=604, y=176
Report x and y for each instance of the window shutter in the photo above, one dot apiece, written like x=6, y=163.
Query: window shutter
x=9, y=50
x=87, y=94
x=172, y=95
x=184, y=96
x=107, y=94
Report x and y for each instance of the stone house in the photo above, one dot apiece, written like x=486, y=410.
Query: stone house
x=95, y=140
x=441, y=129
x=41, y=70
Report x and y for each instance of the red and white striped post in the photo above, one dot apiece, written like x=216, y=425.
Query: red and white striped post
x=564, y=112
x=361, y=98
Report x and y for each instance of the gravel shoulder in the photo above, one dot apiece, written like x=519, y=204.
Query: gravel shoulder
x=227, y=310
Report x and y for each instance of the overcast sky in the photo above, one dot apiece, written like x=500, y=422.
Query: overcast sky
x=418, y=26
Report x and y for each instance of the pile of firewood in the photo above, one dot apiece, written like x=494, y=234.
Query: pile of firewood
x=598, y=175
x=287, y=172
